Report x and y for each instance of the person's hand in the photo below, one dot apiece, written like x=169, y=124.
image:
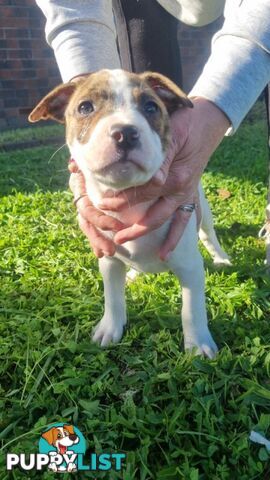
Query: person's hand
x=196, y=133
x=90, y=218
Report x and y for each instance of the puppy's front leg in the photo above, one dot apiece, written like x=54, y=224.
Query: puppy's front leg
x=110, y=328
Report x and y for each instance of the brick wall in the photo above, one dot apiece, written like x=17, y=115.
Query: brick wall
x=27, y=66
x=28, y=69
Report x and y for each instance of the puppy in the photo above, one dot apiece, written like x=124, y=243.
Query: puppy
x=117, y=130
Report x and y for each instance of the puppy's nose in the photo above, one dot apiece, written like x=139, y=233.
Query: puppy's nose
x=73, y=437
x=125, y=136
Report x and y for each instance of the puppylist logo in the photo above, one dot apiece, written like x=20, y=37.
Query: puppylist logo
x=62, y=449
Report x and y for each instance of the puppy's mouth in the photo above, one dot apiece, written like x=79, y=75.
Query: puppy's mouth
x=62, y=448
x=123, y=173
x=122, y=162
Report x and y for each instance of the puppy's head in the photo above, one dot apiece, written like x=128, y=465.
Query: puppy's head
x=117, y=123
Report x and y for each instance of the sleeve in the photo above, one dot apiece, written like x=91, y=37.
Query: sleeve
x=238, y=68
x=82, y=35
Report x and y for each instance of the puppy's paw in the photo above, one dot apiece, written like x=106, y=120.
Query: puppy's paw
x=107, y=332
x=201, y=344
x=131, y=275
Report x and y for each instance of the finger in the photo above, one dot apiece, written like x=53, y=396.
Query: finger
x=77, y=184
x=177, y=228
x=135, y=195
x=100, y=244
x=98, y=253
x=130, y=197
x=115, y=204
x=130, y=233
x=154, y=218
x=87, y=210
x=198, y=214
x=161, y=176
x=96, y=217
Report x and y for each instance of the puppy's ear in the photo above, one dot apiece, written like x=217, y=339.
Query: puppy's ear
x=171, y=95
x=49, y=435
x=53, y=106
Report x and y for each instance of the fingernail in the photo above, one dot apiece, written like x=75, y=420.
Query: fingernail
x=119, y=241
x=108, y=254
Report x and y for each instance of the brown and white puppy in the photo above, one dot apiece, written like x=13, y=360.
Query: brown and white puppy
x=117, y=130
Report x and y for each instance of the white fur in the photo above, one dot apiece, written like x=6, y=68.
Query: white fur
x=99, y=152
x=265, y=234
x=120, y=85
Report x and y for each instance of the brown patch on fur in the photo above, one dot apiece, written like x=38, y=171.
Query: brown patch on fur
x=169, y=98
x=96, y=89
x=158, y=121
x=172, y=96
x=53, y=106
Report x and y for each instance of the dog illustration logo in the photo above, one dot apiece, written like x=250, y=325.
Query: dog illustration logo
x=63, y=443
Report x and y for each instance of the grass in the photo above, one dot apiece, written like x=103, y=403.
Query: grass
x=31, y=133
x=175, y=415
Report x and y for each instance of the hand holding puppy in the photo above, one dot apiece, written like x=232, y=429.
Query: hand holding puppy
x=90, y=218
x=196, y=133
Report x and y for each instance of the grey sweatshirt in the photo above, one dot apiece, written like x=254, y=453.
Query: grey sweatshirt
x=82, y=34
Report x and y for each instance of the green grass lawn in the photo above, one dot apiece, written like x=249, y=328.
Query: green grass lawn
x=175, y=415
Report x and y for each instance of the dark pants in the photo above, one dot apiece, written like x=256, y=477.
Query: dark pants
x=147, y=38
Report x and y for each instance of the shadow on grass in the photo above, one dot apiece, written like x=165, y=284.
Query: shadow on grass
x=236, y=230
x=244, y=247
x=34, y=169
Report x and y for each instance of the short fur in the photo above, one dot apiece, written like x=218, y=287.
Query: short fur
x=144, y=102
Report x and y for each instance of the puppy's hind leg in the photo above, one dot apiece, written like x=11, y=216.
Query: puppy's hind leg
x=265, y=233
x=208, y=235
x=194, y=317
x=187, y=264
x=132, y=274
x=111, y=326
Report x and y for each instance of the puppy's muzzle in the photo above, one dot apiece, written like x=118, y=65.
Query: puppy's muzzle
x=126, y=137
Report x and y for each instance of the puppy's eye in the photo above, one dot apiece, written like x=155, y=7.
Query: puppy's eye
x=59, y=435
x=85, y=108
x=150, y=107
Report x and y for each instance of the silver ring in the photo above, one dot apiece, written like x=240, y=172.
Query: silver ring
x=188, y=207
x=75, y=201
